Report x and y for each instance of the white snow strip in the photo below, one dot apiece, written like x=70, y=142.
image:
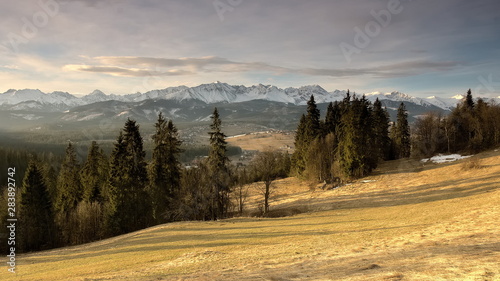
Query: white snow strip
x=236, y=136
x=90, y=117
x=438, y=159
x=122, y=113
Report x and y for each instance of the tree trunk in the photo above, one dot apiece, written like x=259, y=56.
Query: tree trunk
x=266, y=197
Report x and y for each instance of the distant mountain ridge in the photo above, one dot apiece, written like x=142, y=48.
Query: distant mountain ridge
x=212, y=93
x=261, y=105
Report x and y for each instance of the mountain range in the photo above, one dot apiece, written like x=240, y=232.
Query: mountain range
x=207, y=93
x=257, y=104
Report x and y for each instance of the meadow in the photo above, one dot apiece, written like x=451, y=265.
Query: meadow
x=407, y=221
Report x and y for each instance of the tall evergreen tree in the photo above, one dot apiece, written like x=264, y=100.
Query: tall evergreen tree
x=332, y=118
x=165, y=169
x=466, y=126
x=69, y=188
x=402, y=133
x=130, y=204
x=36, y=218
x=94, y=174
x=329, y=120
x=309, y=128
x=381, y=120
x=356, y=148
x=298, y=157
x=313, y=127
x=218, y=167
x=469, y=101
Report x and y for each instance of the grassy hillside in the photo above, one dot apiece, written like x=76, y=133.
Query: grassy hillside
x=408, y=221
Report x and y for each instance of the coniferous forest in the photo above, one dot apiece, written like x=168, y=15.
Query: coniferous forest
x=63, y=201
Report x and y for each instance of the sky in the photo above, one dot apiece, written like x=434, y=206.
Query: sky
x=419, y=47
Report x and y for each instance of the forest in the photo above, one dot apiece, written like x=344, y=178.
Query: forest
x=62, y=200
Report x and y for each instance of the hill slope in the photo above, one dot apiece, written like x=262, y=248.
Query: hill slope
x=409, y=221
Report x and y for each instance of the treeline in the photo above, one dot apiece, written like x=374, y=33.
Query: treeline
x=356, y=135
x=352, y=139
x=472, y=126
x=108, y=195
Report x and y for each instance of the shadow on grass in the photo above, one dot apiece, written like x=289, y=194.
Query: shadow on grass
x=414, y=195
x=168, y=240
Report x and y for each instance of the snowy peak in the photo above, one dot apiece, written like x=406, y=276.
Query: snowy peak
x=397, y=97
x=217, y=92
x=13, y=97
x=95, y=96
x=445, y=103
x=97, y=93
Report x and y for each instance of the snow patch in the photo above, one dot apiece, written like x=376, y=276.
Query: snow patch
x=236, y=136
x=122, y=113
x=26, y=116
x=204, y=119
x=438, y=159
x=90, y=117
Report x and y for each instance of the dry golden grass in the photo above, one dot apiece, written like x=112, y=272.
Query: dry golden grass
x=405, y=222
x=264, y=141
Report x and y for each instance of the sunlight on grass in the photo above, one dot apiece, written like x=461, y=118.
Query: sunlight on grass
x=402, y=222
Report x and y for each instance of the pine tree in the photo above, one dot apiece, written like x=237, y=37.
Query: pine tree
x=165, y=169
x=219, y=171
x=402, y=133
x=36, y=218
x=129, y=207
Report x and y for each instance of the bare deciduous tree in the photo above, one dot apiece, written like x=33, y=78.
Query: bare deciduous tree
x=268, y=166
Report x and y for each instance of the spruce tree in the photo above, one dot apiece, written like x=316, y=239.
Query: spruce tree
x=94, y=175
x=313, y=127
x=469, y=101
x=329, y=120
x=218, y=167
x=36, y=218
x=298, y=157
x=402, y=133
x=332, y=118
x=381, y=120
x=356, y=148
x=165, y=169
x=130, y=208
x=463, y=119
x=309, y=129
x=350, y=145
x=69, y=188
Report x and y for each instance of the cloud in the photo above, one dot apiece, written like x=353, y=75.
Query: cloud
x=120, y=71
x=150, y=66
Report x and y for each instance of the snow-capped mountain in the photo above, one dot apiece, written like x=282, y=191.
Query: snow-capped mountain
x=212, y=93
x=57, y=98
x=397, y=97
x=445, y=103
x=263, y=105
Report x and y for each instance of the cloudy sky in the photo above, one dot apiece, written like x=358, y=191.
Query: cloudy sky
x=420, y=47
